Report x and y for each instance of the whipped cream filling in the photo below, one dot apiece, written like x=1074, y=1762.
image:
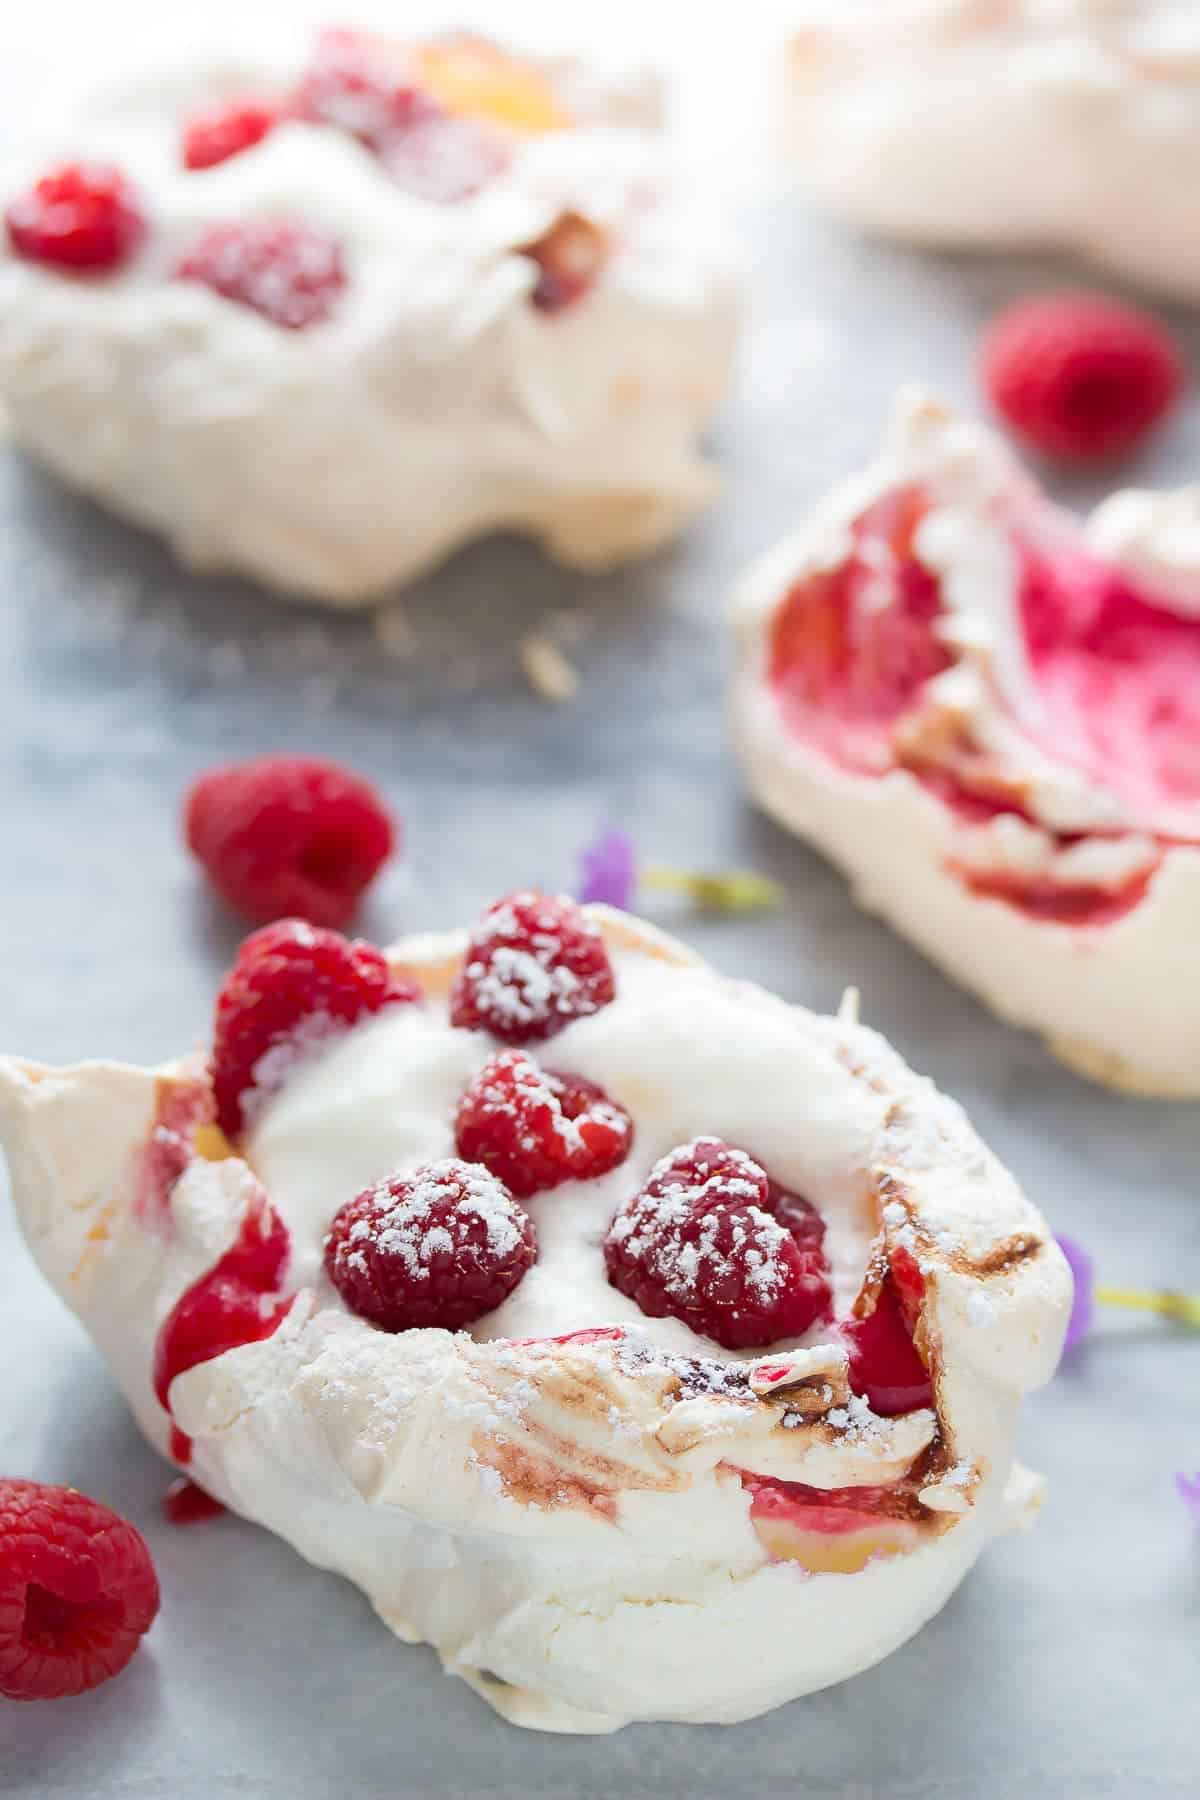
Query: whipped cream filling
x=582, y=1528
x=334, y=1129
x=435, y=402
x=993, y=123
x=1020, y=759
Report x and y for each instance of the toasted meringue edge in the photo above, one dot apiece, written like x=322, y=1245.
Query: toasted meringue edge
x=891, y=838
x=993, y=1320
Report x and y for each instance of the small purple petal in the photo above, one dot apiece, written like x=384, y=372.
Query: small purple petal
x=1080, y=1262
x=1189, y=1493
x=607, y=870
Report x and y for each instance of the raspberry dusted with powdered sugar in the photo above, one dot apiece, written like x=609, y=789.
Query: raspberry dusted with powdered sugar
x=534, y=963
x=710, y=1240
x=77, y=1591
x=441, y=1248
x=287, y=273
x=283, y=836
x=82, y=217
x=213, y=137
x=536, y=1130
x=361, y=85
x=443, y=159
x=292, y=987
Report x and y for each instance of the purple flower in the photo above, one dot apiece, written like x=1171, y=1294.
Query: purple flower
x=1080, y=1322
x=607, y=870
x=1189, y=1493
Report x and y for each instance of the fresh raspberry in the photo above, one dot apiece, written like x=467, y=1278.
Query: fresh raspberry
x=82, y=216
x=360, y=86
x=213, y=137
x=710, y=1240
x=290, y=274
x=441, y=1247
x=356, y=84
x=533, y=964
x=535, y=1130
x=884, y=1365
x=288, y=835
x=292, y=986
x=569, y=257
x=1078, y=376
x=77, y=1591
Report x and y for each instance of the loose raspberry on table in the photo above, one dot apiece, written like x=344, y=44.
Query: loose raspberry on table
x=292, y=987
x=288, y=835
x=213, y=137
x=84, y=217
x=711, y=1240
x=534, y=963
x=1079, y=376
x=569, y=256
x=290, y=274
x=885, y=1366
x=440, y=1247
x=77, y=1591
x=535, y=1130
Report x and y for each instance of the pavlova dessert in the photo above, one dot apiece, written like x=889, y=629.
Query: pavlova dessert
x=1005, y=123
x=591, y=1312
x=321, y=313
x=988, y=714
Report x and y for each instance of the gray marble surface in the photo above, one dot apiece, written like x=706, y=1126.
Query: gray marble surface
x=1068, y=1665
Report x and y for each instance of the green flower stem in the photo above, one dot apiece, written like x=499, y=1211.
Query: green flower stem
x=1184, y=1307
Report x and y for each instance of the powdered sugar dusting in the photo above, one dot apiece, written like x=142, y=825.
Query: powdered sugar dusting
x=855, y=1421
x=311, y=1034
x=408, y=1226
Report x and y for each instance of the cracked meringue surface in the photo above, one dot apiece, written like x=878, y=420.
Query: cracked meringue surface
x=1005, y=124
x=437, y=401
x=983, y=712
x=570, y=1502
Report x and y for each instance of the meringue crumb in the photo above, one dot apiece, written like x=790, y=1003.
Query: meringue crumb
x=570, y=627
x=551, y=673
x=894, y=1214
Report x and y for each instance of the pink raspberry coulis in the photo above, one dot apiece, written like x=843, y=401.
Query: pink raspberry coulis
x=712, y=1241
x=885, y=1367
x=1115, y=675
x=238, y=1301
